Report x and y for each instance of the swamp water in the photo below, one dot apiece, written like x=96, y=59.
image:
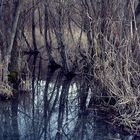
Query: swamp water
x=54, y=110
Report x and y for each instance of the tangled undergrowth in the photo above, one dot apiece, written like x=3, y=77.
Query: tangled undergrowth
x=117, y=67
x=113, y=58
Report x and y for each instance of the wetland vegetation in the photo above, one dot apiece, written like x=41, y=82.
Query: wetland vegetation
x=69, y=69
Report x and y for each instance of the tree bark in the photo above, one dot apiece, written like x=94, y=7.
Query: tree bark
x=46, y=26
x=7, y=56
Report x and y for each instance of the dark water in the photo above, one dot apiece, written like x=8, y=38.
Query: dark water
x=56, y=109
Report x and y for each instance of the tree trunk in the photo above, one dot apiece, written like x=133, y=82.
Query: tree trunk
x=7, y=56
x=46, y=26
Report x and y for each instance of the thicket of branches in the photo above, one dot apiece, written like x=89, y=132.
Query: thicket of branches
x=95, y=38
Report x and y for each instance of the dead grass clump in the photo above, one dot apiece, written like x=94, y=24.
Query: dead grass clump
x=5, y=90
x=120, y=73
x=117, y=65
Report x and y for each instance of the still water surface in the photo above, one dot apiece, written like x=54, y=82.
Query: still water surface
x=54, y=110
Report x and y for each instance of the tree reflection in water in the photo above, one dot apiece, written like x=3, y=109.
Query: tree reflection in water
x=58, y=111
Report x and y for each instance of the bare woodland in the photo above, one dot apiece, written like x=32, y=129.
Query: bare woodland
x=98, y=41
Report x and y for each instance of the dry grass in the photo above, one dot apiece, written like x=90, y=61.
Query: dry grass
x=5, y=90
x=119, y=69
